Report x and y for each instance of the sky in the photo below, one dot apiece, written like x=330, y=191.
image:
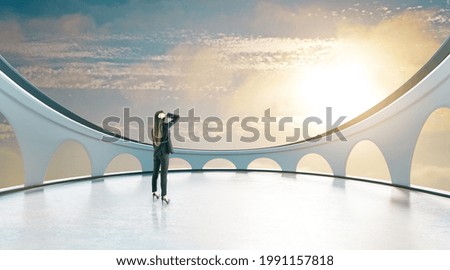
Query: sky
x=220, y=58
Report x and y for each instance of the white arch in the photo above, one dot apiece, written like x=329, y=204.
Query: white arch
x=219, y=163
x=122, y=163
x=370, y=159
x=12, y=167
x=179, y=164
x=264, y=163
x=394, y=126
x=430, y=163
x=66, y=166
x=317, y=164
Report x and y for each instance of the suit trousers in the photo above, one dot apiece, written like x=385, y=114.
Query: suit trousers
x=160, y=161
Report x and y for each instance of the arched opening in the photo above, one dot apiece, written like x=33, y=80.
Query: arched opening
x=219, y=163
x=69, y=160
x=123, y=163
x=431, y=160
x=179, y=164
x=11, y=161
x=367, y=161
x=314, y=163
x=264, y=164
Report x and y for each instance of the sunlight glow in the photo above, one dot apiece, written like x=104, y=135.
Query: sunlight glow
x=346, y=83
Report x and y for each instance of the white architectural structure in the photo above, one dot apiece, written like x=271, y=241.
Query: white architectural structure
x=41, y=125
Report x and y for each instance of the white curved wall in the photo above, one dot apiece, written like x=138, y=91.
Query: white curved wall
x=40, y=129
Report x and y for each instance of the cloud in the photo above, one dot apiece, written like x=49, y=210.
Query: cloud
x=11, y=165
x=272, y=19
x=193, y=72
x=312, y=19
x=436, y=123
x=228, y=71
x=42, y=32
x=68, y=25
x=430, y=164
x=237, y=69
x=431, y=176
x=100, y=75
x=51, y=38
x=396, y=47
x=366, y=160
x=401, y=36
x=10, y=32
x=222, y=73
x=69, y=160
x=269, y=69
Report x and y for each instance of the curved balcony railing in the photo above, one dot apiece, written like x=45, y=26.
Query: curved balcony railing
x=41, y=125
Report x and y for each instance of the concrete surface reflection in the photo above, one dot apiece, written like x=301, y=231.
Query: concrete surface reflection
x=224, y=210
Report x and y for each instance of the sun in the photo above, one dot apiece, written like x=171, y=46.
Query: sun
x=347, y=84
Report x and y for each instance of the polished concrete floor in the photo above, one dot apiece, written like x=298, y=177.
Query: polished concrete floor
x=224, y=210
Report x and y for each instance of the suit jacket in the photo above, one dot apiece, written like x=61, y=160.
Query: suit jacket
x=166, y=143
